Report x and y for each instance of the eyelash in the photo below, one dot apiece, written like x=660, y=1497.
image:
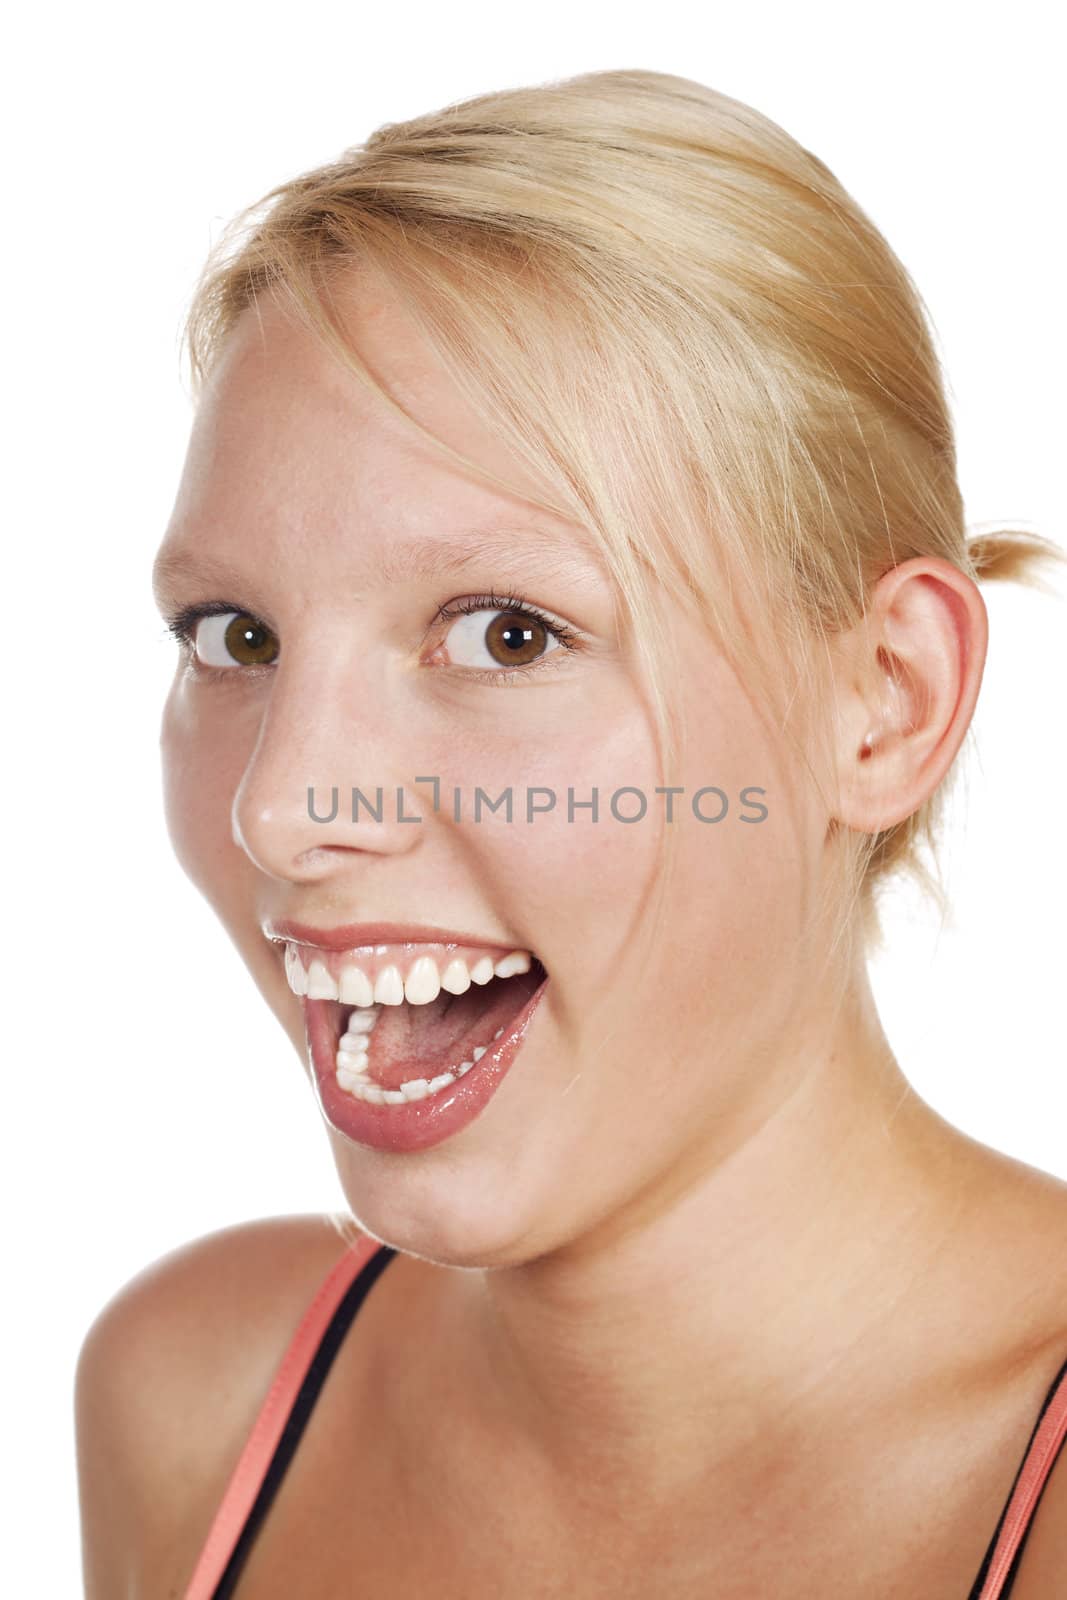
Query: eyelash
x=182, y=627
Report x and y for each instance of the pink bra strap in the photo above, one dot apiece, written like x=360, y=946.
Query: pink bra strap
x=1039, y=1462
x=247, y=1476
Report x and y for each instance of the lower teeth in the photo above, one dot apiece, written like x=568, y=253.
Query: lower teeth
x=354, y=1080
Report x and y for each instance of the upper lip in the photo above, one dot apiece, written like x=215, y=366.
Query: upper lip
x=356, y=935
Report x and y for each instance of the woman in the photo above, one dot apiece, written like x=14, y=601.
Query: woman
x=577, y=627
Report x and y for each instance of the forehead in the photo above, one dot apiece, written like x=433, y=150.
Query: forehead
x=290, y=443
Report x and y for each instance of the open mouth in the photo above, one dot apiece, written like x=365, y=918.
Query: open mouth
x=405, y=1024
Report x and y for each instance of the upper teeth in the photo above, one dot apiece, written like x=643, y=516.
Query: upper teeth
x=369, y=983
x=354, y=988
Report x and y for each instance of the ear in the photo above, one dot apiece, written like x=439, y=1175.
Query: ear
x=907, y=681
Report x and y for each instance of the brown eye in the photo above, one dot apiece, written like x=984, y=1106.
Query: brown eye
x=234, y=639
x=508, y=639
x=514, y=640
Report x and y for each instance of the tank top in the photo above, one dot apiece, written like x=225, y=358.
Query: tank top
x=298, y=1381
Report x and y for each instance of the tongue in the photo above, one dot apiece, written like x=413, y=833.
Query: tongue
x=424, y=1041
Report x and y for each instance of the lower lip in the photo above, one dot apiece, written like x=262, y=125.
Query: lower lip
x=421, y=1123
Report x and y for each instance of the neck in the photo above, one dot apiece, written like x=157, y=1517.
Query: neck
x=691, y=1344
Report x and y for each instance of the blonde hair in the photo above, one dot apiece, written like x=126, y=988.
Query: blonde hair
x=681, y=321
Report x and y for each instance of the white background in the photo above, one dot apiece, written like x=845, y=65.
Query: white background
x=150, y=1095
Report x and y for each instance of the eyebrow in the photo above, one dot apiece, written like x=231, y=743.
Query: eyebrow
x=419, y=559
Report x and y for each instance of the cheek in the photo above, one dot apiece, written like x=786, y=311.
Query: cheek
x=566, y=879
x=746, y=874
x=741, y=888
x=203, y=758
x=554, y=874
x=592, y=857
x=737, y=890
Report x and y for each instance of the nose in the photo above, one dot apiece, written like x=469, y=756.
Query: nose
x=321, y=737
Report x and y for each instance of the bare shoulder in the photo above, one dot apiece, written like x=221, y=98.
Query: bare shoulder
x=169, y=1380
x=1017, y=1221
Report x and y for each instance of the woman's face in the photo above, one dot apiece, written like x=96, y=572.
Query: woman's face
x=357, y=643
